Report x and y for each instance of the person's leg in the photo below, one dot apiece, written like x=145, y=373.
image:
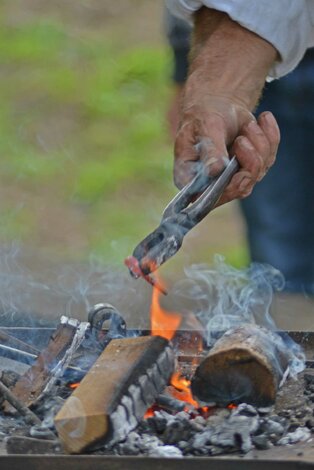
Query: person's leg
x=280, y=212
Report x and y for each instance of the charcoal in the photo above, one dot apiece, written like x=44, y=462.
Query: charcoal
x=217, y=418
x=158, y=424
x=183, y=415
x=41, y=432
x=169, y=403
x=264, y=410
x=197, y=427
x=176, y=431
x=310, y=423
x=183, y=445
x=245, y=410
x=301, y=413
x=165, y=451
x=273, y=427
x=127, y=449
x=215, y=450
x=261, y=442
x=201, y=439
x=299, y=435
x=200, y=420
x=309, y=377
x=293, y=426
x=284, y=413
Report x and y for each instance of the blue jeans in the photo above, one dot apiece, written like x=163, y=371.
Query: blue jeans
x=280, y=212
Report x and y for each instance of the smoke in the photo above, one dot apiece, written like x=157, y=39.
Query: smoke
x=223, y=297
x=37, y=292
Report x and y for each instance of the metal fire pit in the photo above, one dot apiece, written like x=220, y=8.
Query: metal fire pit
x=291, y=457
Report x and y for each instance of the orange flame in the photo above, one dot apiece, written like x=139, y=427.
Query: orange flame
x=182, y=390
x=163, y=323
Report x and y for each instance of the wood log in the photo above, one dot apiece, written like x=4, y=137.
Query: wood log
x=29, y=388
x=245, y=365
x=116, y=392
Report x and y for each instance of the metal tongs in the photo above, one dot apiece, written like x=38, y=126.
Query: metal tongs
x=179, y=217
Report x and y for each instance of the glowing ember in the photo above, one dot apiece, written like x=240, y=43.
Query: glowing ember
x=74, y=385
x=231, y=406
x=163, y=323
x=150, y=412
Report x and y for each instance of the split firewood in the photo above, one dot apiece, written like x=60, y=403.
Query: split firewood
x=246, y=364
x=115, y=393
x=50, y=363
x=17, y=343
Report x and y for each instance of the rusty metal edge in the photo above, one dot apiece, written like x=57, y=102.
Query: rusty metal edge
x=99, y=462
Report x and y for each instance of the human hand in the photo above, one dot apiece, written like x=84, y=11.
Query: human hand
x=216, y=126
x=228, y=68
x=173, y=113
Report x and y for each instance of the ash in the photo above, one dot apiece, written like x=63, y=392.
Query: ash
x=218, y=431
x=225, y=431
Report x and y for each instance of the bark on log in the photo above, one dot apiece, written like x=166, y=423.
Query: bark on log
x=116, y=392
x=245, y=365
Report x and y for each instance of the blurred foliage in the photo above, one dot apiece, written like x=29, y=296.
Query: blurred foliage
x=82, y=129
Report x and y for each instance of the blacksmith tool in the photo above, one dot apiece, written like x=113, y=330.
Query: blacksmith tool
x=101, y=313
x=179, y=217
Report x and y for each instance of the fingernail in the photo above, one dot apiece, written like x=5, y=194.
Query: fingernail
x=245, y=183
x=269, y=118
x=254, y=127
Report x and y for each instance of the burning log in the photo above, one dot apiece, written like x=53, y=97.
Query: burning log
x=50, y=363
x=246, y=364
x=114, y=395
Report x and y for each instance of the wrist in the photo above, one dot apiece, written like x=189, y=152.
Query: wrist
x=228, y=60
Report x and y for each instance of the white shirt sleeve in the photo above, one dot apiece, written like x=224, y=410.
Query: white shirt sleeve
x=287, y=24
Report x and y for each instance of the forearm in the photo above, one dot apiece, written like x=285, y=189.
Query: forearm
x=227, y=59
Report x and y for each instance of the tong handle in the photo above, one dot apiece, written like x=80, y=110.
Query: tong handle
x=184, y=197
x=209, y=198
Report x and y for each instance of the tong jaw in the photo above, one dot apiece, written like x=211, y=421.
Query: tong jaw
x=179, y=217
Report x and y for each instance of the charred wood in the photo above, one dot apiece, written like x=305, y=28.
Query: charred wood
x=114, y=395
x=6, y=393
x=246, y=364
x=170, y=404
x=50, y=363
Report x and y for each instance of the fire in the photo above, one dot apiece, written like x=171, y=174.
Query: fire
x=163, y=323
x=182, y=389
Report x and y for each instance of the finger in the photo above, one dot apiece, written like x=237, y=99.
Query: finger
x=194, y=145
x=271, y=130
x=259, y=160
x=244, y=180
x=185, y=155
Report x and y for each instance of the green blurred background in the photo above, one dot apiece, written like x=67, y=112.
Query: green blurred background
x=86, y=157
